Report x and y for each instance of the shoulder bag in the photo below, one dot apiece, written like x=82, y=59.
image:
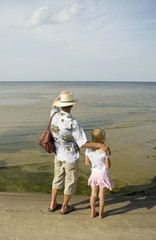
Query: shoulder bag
x=47, y=140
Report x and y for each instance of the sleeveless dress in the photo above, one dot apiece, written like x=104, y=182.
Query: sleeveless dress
x=99, y=173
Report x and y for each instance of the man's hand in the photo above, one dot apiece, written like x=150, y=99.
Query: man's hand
x=105, y=149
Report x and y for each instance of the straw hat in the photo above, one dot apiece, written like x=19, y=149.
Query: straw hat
x=65, y=100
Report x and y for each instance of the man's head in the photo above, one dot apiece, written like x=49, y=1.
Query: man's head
x=66, y=100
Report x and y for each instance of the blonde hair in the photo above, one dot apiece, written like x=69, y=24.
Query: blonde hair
x=98, y=135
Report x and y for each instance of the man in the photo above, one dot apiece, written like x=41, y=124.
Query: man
x=69, y=138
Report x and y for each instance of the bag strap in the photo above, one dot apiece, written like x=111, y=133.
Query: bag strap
x=51, y=120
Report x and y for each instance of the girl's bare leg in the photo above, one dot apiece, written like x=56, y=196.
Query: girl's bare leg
x=93, y=200
x=102, y=201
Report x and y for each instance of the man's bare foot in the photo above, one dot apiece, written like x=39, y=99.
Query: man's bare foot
x=55, y=207
x=67, y=209
x=93, y=215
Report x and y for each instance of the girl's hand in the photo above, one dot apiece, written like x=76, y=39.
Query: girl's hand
x=105, y=149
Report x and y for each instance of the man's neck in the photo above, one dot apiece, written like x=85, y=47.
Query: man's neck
x=67, y=111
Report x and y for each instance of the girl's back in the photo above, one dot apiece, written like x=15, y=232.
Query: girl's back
x=97, y=159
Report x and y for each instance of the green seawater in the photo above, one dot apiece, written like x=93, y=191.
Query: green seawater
x=126, y=111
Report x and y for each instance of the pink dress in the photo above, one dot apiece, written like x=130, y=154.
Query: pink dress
x=99, y=174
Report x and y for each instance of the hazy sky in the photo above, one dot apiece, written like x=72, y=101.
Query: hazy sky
x=72, y=40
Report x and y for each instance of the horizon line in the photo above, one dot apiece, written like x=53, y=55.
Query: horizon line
x=22, y=81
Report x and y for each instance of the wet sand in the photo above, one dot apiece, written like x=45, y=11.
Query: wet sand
x=25, y=217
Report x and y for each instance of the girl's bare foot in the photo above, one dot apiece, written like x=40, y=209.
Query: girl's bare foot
x=93, y=215
x=102, y=215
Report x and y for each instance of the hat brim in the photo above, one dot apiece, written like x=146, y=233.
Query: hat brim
x=65, y=104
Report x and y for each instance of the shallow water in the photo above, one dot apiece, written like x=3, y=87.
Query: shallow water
x=127, y=112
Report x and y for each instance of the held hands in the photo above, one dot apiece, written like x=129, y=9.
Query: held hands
x=105, y=149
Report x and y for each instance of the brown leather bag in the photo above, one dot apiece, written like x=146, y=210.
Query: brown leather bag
x=47, y=140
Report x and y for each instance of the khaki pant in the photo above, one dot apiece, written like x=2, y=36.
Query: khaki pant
x=65, y=176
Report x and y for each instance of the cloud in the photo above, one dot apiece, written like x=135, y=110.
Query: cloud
x=43, y=15
x=67, y=14
x=40, y=16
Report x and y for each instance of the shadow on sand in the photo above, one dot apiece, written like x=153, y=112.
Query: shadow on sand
x=133, y=197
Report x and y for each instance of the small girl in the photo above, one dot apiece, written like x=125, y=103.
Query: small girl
x=99, y=178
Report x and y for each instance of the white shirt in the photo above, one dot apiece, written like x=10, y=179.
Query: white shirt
x=68, y=136
x=97, y=159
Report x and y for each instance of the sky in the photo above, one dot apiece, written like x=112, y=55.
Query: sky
x=78, y=40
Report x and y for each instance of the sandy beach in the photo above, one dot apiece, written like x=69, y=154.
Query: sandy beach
x=128, y=116
x=25, y=217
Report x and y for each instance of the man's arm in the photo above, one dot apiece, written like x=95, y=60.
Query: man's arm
x=103, y=147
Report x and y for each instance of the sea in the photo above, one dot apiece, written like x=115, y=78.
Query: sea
x=125, y=110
